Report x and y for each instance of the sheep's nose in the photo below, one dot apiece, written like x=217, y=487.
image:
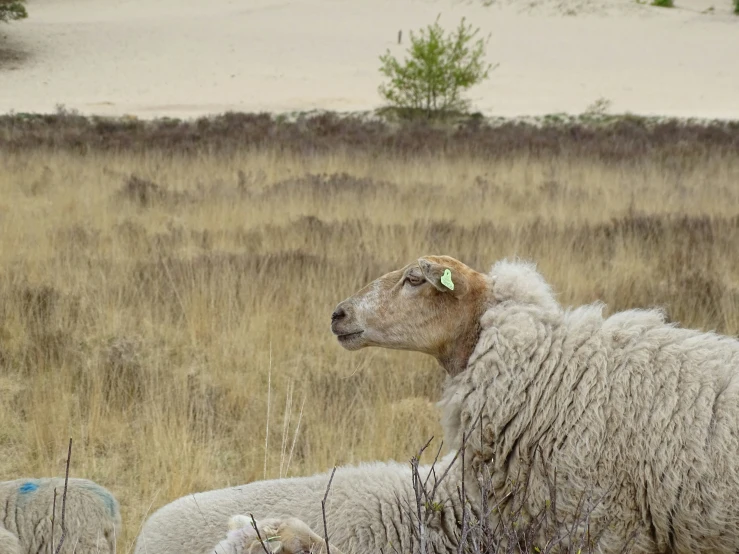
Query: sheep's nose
x=338, y=314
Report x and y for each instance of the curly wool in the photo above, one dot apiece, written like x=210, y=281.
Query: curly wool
x=92, y=517
x=630, y=408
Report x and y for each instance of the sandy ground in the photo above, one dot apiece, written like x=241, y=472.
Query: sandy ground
x=187, y=58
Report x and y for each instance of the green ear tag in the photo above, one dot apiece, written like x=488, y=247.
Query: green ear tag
x=446, y=279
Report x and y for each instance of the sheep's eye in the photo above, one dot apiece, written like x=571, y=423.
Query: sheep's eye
x=414, y=280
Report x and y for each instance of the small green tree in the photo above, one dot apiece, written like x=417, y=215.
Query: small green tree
x=12, y=9
x=438, y=70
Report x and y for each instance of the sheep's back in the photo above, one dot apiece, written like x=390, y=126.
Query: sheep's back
x=673, y=421
x=92, y=514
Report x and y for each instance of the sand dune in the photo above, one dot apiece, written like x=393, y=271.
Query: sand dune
x=186, y=58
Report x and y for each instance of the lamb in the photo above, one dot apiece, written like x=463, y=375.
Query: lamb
x=92, y=517
x=286, y=536
x=640, y=413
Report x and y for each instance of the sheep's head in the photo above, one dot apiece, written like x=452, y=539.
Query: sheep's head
x=432, y=306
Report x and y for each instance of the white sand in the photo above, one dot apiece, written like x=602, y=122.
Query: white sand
x=186, y=58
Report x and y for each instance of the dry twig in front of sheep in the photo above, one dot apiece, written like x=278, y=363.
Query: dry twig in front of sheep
x=259, y=535
x=323, y=510
x=417, y=488
x=64, y=502
x=515, y=530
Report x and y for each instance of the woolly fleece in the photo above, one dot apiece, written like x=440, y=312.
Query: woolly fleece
x=93, y=517
x=373, y=495
x=628, y=408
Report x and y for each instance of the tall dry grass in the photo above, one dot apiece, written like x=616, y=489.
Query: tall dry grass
x=165, y=307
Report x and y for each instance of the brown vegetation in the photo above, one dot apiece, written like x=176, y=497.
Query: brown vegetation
x=166, y=290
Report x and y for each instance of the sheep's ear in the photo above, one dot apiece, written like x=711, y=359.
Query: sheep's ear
x=443, y=277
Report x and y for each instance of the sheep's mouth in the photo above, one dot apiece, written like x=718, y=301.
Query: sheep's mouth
x=347, y=339
x=349, y=336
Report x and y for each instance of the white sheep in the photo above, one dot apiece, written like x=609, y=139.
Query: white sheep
x=92, y=517
x=638, y=413
x=364, y=511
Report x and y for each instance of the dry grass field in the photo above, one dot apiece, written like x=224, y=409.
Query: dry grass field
x=165, y=295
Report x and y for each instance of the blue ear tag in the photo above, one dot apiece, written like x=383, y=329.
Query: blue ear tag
x=446, y=279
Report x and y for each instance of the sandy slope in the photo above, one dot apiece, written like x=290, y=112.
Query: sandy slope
x=186, y=58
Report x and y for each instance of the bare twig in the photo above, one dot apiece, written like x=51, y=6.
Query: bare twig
x=209, y=523
x=463, y=533
x=53, y=517
x=414, y=464
x=419, y=513
x=433, y=464
x=420, y=491
x=457, y=454
x=64, y=501
x=259, y=535
x=323, y=511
